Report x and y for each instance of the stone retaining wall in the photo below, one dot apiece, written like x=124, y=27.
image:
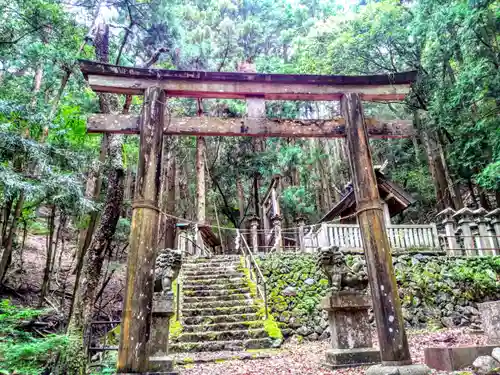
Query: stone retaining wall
x=436, y=291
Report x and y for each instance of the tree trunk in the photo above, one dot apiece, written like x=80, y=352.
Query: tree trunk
x=200, y=186
x=21, y=251
x=50, y=241
x=241, y=199
x=59, y=238
x=85, y=290
x=169, y=242
x=7, y=252
x=93, y=189
x=6, y=215
x=441, y=187
x=37, y=84
x=453, y=190
x=128, y=193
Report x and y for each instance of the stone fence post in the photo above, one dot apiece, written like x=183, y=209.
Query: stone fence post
x=450, y=229
x=494, y=216
x=278, y=241
x=464, y=217
x=254, y=226
x=301, y=222
x=483, y=243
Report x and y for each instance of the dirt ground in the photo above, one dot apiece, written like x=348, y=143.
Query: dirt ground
x=24, y=279
x=307, y=357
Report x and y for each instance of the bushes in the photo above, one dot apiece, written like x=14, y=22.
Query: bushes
x=20, y=351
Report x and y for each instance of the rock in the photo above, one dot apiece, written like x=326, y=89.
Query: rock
x=485, y=365
x=284, y=317
x=318, y=329
x=325, y=335
x=324, y=324
x=448, y=322
x=309, y=281
x=304, y=331
x=277, y=343
x=294, y=323
x=496, y=354
x=470, y=310
x=449, y=307
x=296, y=339
x=313, y=337
x=289, y=291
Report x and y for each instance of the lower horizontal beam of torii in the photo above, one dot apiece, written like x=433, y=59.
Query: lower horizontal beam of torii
x=215, y=126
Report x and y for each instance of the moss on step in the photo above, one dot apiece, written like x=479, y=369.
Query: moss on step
x=176, y=327
x=270, y=325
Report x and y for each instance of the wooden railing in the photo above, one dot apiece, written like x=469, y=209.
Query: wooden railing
x=348, y=236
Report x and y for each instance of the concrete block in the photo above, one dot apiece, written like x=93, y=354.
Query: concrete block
x=455, y=358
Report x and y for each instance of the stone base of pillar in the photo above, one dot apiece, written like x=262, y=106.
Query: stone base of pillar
x=163, y=310
x=351, y=335
x=398, y=370
x=338, y=358
x=163, y=364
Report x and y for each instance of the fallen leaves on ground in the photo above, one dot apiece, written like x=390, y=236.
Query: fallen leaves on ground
x=308, y=357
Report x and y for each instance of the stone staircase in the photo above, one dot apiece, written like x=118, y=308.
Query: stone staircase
x=219, y=318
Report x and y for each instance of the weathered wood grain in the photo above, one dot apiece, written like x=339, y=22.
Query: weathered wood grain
x=135, y=330
x=386, y=304
x=213, y=126
x=125, y=80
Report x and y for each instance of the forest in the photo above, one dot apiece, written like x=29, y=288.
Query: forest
x=66, y=195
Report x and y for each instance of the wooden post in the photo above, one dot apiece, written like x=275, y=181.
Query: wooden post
x=136, y=321
x=450, y=229
x=386, y=304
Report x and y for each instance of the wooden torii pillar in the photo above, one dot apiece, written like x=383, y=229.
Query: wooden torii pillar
x=393, y=342
x=350, y=90
x=133, y=356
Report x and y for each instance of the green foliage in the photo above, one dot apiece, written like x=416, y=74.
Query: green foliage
x=22, y=352
x=270, y=324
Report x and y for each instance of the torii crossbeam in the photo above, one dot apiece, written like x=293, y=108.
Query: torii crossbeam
x=158, y=85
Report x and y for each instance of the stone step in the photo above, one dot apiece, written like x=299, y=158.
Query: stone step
x=222, y=297
x=213, y=346
x=218, y=311
x=242, y=334
x=210, y=275
x=216, y=304
x=211, y=261
x=182, y=359
x=211, y=267
x=214, y=280
x=227, y=285
x=224, y=326
x=207, y=290
x=216, y=319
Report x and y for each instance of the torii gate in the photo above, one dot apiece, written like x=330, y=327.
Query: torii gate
x=158, y=85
